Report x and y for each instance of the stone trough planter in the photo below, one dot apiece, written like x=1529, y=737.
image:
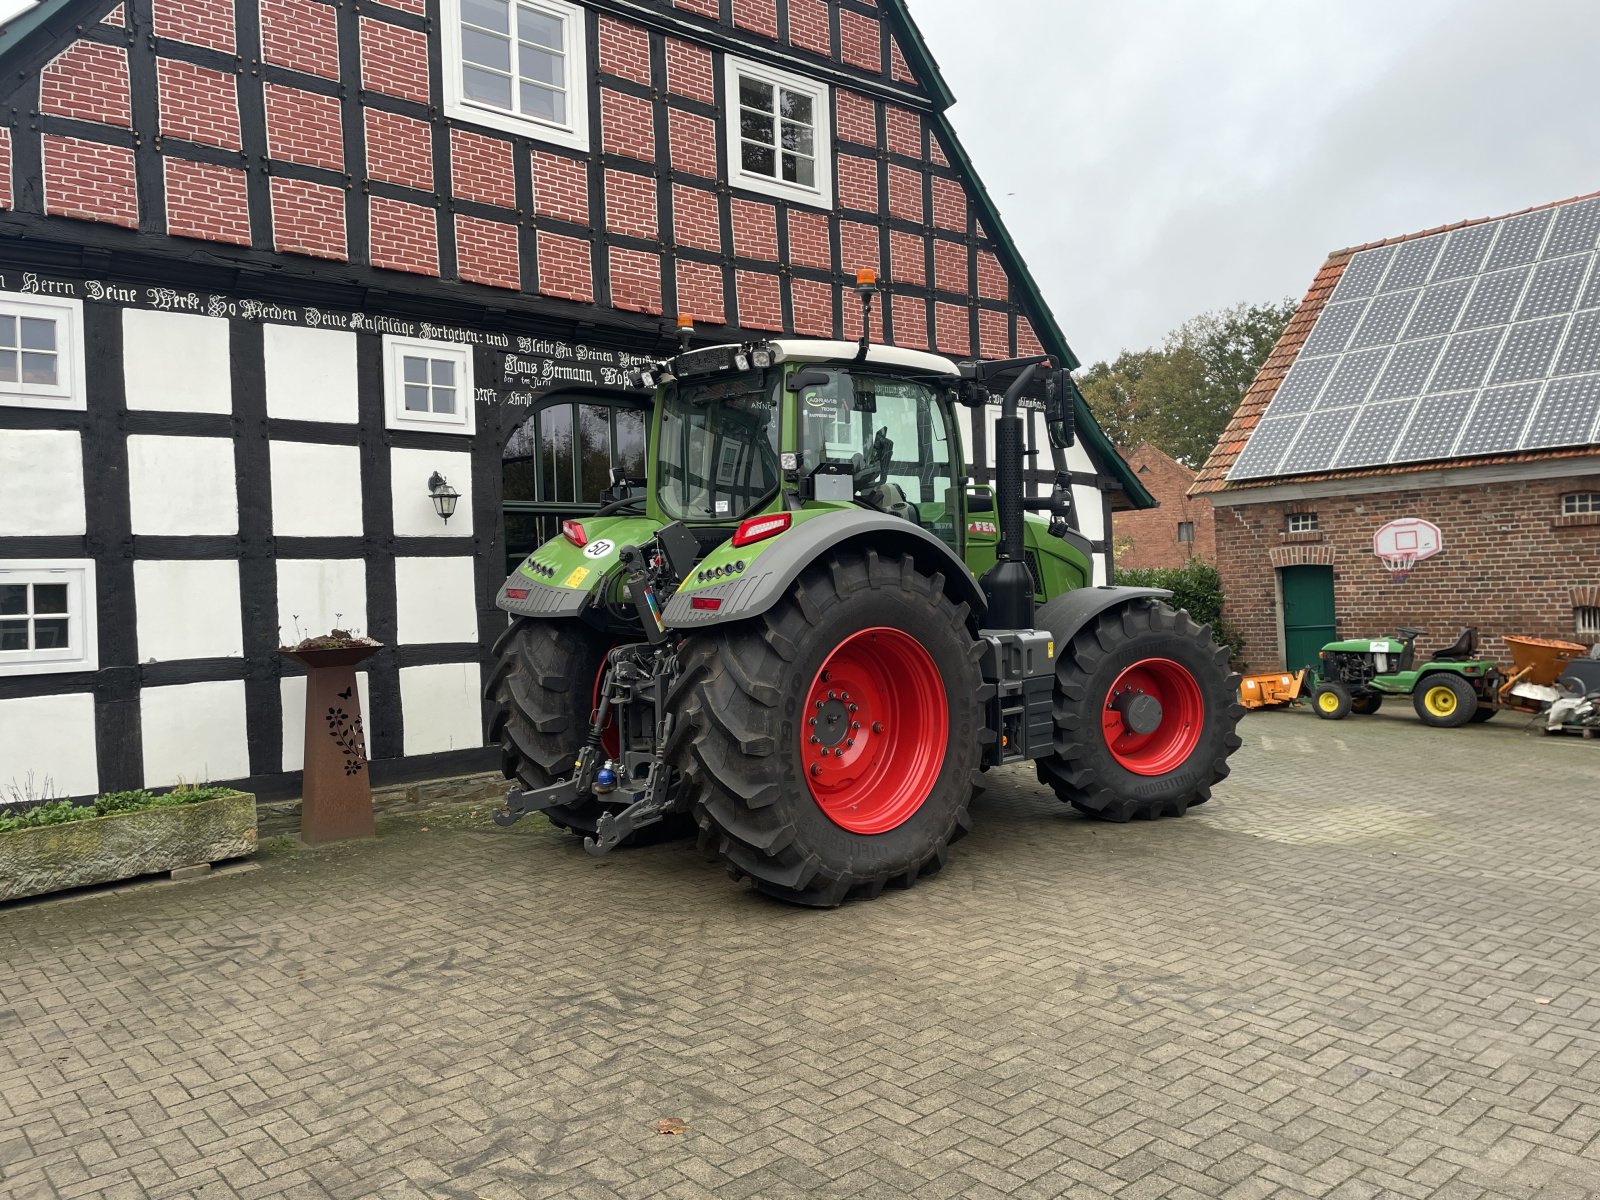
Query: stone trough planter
x=76, y=854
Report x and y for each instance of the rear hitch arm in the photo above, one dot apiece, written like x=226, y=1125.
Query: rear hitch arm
x=651, y=804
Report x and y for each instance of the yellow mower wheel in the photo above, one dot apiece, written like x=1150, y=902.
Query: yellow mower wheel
x=1330, y=701
x=1444, y=701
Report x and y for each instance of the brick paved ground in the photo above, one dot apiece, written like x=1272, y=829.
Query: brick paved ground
x=1339, y=979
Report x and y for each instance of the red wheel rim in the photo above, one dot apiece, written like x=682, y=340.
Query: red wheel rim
x=1152, y=740
x=610, y=738
x=877, y=721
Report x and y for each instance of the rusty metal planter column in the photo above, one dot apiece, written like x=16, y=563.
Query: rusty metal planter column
x=336, y=792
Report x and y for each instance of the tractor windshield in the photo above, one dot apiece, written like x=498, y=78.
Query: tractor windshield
x=719, y=447
x=891, y=435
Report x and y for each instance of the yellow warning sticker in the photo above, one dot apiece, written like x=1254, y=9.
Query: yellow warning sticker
x=1050, y=649
x=576, y=578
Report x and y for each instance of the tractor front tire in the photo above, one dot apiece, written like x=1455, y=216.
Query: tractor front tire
x=834, y=740
x=542, y=693
x=1331, y=701
x=1444, y=701
x=1117, y=756
x=1366, y=704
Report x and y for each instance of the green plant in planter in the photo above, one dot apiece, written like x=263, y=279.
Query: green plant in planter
x=60, y=812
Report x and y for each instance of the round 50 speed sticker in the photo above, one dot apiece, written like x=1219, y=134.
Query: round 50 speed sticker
x=599, y=549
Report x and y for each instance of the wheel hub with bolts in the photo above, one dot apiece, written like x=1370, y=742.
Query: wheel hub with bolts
x=1141, y=713
x=1152, y=717
x=877, y=723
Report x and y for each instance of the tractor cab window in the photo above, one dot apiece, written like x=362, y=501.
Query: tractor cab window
x=895, y=436
x=719, y=447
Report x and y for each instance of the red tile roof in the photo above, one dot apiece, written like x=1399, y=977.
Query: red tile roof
x=1213, y=476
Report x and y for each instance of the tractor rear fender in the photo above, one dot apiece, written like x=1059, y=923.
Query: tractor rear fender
x=774, y=570
x=1071, y=611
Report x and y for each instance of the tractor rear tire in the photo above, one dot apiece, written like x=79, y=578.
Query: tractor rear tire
x=1444, y=701
x=1102, y=765
x=542, y=693
x=1366, y=704
x=817, y=828
x=1331, y=701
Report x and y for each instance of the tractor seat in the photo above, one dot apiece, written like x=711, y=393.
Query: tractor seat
x=1465, y=648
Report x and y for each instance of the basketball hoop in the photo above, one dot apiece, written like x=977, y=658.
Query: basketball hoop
x=1398, y=565
x=1402, y=544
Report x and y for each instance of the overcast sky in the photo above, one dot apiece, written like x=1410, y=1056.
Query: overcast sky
x=1158, y=158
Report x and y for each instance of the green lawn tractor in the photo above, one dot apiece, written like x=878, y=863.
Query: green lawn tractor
x=1452, y=688
x=806, y=635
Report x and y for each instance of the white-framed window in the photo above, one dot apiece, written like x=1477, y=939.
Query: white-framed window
x=41, y=352
x=780, y=133
x=519, y=66
x=1302, y=522
x=428, y=385
x=1586, y=621
x=1580, y=504
x=47, y=616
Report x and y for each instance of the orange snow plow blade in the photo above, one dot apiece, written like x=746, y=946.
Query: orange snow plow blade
x=1274, y=687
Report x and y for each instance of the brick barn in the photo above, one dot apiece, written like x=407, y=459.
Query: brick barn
x=268, y=267
x=1450, y=377
x=1179, y=528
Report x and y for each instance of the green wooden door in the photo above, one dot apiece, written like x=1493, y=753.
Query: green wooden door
x=1308, y=623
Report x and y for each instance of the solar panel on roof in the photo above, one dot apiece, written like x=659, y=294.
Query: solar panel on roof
x=1439, y=309
x=1375, y=430
x=1577, y=229
x=1528, y=350
x=1483, y=340
x=1361, y=276
x=1519, y=239
x=1497, y=419
x=1494, y=298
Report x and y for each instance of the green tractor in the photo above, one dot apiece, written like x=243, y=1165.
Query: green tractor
x=1452, y=688
x=806, y=635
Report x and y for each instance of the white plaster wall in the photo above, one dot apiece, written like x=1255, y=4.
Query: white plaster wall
x=436, y=600
x=182, y=485
x=41, y=483
x=194, y=733
x=441, y=708
x=187, y=609
x=176, y=362
x=316, y=490
x=319, y=594
x=414, y=515
x=1101, y=575
x=53, y=737
x=1078, y=459
x=292, y=695
x=311, y=374
x=1089, y=512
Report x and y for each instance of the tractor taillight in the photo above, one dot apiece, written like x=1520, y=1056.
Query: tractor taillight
x=574, y=533
x=759, y=529
x=516, y=593
x=706, y=603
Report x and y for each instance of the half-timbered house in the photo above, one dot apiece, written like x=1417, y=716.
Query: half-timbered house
x=271, y=269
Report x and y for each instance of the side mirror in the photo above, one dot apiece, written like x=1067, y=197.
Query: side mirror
x=809, y=377
x=1060, y=413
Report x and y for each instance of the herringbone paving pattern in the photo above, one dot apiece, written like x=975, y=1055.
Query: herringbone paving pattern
x=1370, y=967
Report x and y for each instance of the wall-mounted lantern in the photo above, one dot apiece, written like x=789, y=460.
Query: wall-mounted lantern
x=444, y=496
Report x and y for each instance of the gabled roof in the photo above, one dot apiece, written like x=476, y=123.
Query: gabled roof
x=1213, y=476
